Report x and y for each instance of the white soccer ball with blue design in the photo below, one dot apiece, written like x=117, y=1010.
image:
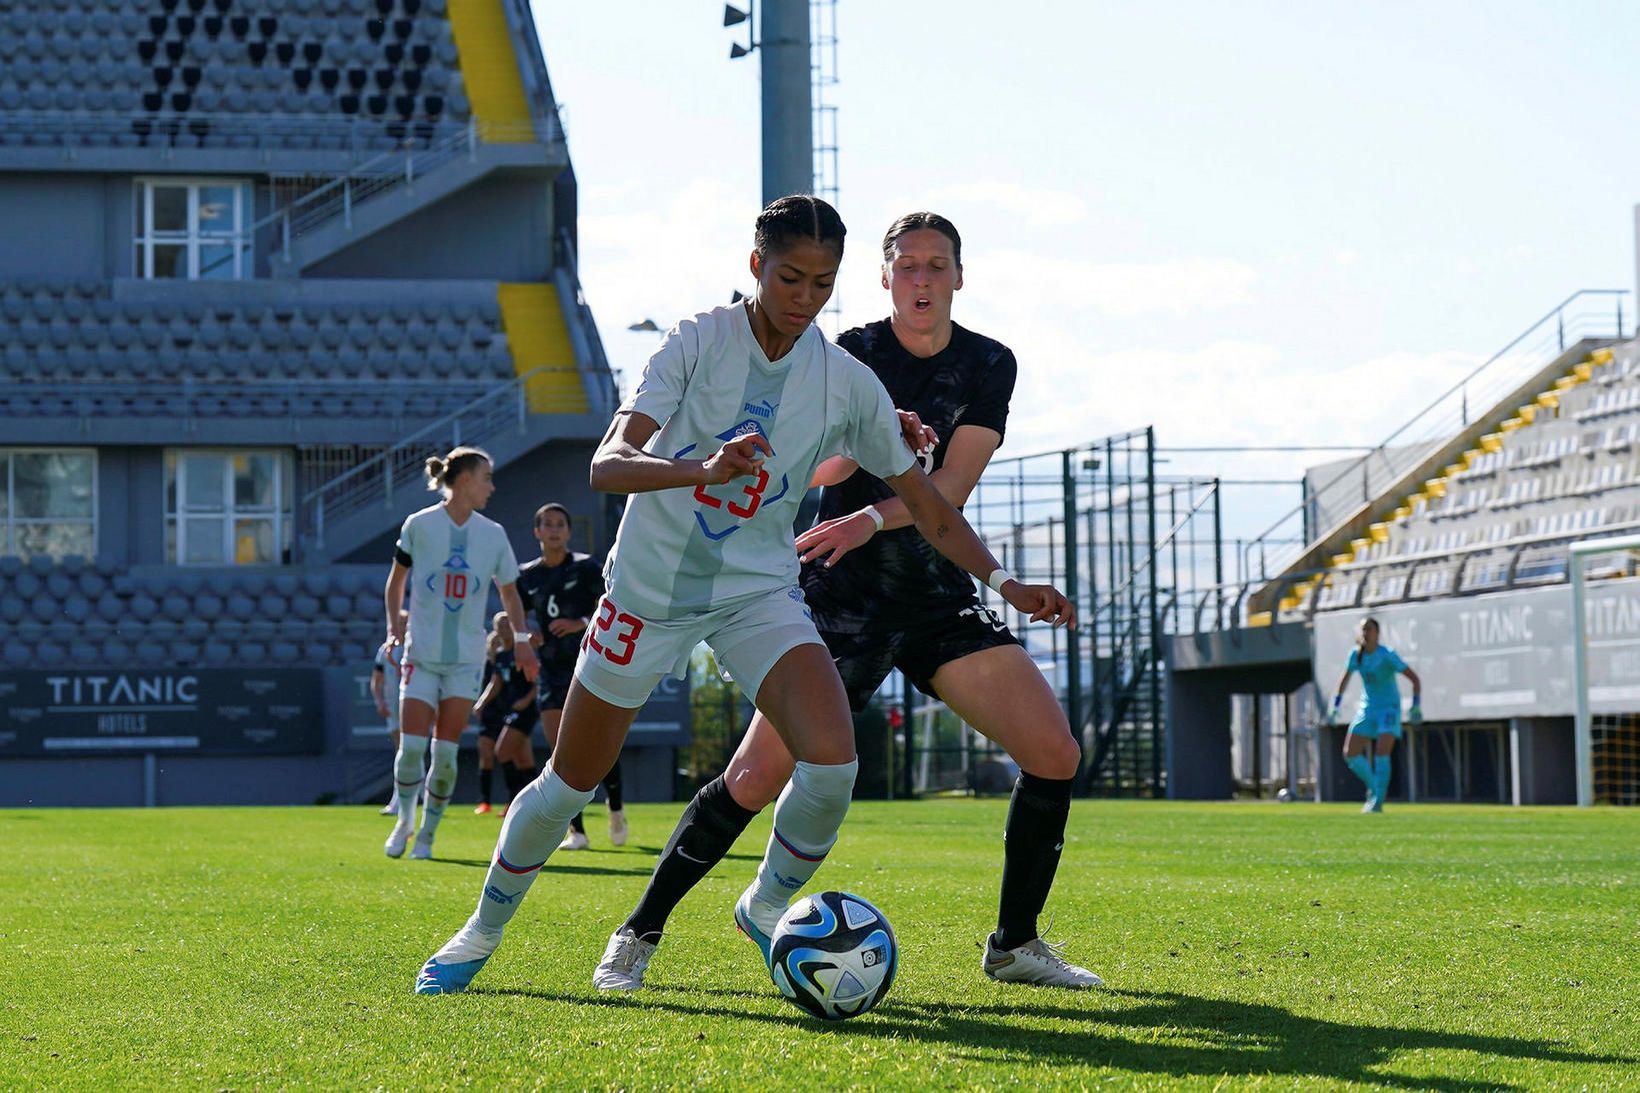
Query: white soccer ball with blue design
x=833, y=954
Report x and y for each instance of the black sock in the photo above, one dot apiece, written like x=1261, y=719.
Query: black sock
x=486, y=783
x=1032, y=841
x=517, y=778
x=707, y=829
x=612, y=786
x=578, y=824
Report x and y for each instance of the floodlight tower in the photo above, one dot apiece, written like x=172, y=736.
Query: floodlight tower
x=787, y=85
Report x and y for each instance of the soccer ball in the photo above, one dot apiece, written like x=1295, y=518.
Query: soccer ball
x=833, y=954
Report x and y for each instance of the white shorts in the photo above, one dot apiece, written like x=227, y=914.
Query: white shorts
x=623, y=656
x=433, y=683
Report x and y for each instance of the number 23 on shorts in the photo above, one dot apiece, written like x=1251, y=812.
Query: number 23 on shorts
x=618, y=629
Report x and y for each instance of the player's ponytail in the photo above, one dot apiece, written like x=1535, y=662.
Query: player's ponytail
x=442, y=473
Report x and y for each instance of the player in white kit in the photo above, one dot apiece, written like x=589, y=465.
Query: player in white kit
x=385, y=673
x=451, y=553
x=716, y=446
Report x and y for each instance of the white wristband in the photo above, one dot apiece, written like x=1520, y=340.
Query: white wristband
x=998, y=578
x=876, y=517
x=520, y=636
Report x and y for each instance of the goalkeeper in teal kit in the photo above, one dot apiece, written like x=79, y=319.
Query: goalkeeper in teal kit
x=1377, y=722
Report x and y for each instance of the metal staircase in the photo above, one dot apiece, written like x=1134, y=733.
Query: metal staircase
x=391, y=186
x=356, y=505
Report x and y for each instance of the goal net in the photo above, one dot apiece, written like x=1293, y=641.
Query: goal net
x=1606, y=660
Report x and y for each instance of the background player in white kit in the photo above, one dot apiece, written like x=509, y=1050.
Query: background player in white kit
x=384, y=691
x=705, y=552
x=452, y=553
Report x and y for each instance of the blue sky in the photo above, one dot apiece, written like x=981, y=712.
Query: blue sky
x=1247, y=223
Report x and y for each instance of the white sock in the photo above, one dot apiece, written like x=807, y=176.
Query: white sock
x=806, y=820
x=407, y=766
x=535, y=825
x=441, y=783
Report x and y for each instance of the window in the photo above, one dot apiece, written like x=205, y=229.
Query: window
x=48, y=502
x=227, y=508
x=193, y=230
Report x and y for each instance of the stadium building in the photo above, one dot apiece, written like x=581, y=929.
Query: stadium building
x=260, y=260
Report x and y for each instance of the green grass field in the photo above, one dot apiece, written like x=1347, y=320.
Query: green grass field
x=1244, y=945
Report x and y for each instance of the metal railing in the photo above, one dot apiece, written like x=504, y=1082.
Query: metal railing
x=376, y=481
x=187, y=400
x=395, y=169
x=1588, y=314
x=1224, y=606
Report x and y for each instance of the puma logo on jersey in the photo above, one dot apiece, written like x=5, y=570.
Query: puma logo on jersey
x=764, y=409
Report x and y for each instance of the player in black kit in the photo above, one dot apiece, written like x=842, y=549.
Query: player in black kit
x=883, y=598
x=508, y=700
x=561, y=589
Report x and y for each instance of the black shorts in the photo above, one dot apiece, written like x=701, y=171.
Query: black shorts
x=554, y=692
x=521, y=720
x=864, y=660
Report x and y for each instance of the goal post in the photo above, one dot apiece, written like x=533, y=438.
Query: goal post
x=1605, y=741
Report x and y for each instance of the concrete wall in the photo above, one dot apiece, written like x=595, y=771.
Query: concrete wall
x=64, y=226
x=500, y=229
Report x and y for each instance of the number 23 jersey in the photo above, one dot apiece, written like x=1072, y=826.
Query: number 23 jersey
x=681, y=551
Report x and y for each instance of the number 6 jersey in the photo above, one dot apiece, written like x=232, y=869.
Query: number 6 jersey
x=451, y=569
x=681, y=551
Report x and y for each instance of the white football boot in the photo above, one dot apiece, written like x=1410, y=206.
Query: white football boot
x=422, y=850
x=1037, y=962
x=391, y=808
x=624, y=962
x=617, y=827
x=575, y=840
x=398, y=839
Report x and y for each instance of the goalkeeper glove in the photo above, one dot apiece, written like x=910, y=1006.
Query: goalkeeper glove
x=1333, y=717
x=1415, y=716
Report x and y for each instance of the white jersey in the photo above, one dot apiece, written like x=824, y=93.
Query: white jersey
x=390, y=662
x=681, y=551
x=450, y=572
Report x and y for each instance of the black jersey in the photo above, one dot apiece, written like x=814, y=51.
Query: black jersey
x=569, y=590
x=514, y=684
x=897, y=579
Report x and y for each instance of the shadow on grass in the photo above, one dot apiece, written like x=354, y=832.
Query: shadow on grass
x=551, y=867
x=1225, y=1037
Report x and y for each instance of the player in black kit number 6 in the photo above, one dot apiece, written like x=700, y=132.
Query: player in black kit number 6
x=561, y=589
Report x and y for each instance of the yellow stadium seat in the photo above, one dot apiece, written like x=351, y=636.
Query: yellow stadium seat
x=1259, y=618
x=1584, y=372
x=1379, y=533
x=1492, y=442
x=1601, y=356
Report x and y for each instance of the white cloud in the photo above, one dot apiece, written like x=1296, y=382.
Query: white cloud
x=1038, y=207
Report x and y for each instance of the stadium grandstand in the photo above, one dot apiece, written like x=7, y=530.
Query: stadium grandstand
x=261, y=259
